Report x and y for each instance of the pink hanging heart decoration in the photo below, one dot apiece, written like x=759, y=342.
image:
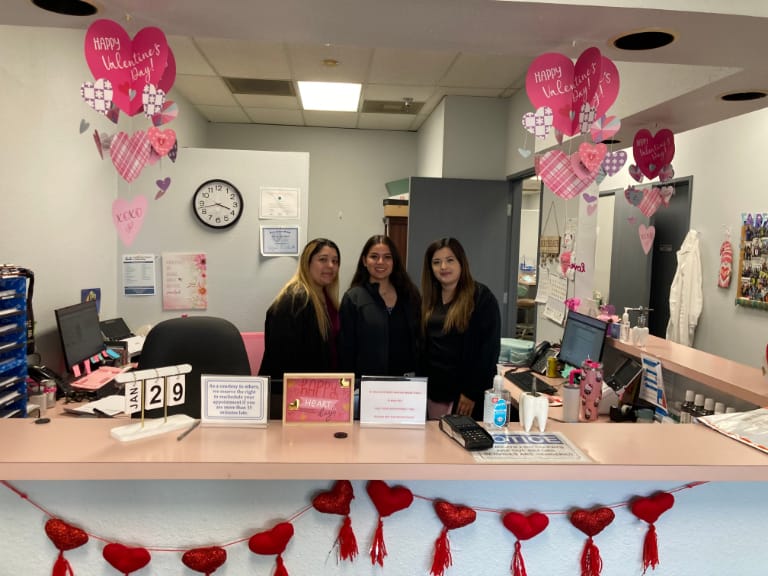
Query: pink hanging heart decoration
x=165, y=83
x=161, y=140
x=152, y=100
x=613, y=162
x=608, y=88
x=128, y=217
x=586, y=117
x=129, y=154
x=555, y=169
x=565, y=261
x=604, y=128
x=666, y=193
x=592, y=155
x=124, y=559
x=651, y=202
x=168, y=113
x=647, y=234
x=98, y=95
x=127, y=63
x=587, y=73
x=633, y=195
x=636, y=173
x=591, y=209
x=549, y=82
x=652, y=152
x=666, y=173
x=539, y=123
x=163, y=186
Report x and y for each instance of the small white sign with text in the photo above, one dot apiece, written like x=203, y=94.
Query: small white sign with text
x=393, y=402
x=234, y=400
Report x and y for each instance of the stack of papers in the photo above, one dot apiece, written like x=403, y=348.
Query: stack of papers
x=750, y=428
x=107, y=406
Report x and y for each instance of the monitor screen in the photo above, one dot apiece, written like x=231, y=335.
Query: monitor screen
x=583, y=338
x=80, y=332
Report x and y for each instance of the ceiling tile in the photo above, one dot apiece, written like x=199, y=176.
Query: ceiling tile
x=261, y=101
x=228, y=114
x=409, y=67
x=244, y=59
x=188, y=58
x=486, y=70
x=385, y=92
x=209, y=90
x=331, y=119
x=272, y=116
x=385, y=121
x=307, y=63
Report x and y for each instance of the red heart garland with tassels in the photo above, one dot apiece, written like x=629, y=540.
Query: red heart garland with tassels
x=452, y=517
x=125, y=559
x=65, y=537
x=387, y=501
x=524, y=527
x=337, y=501
x=591, y=522
x=649, y=509
x=205, y=560
x=273, y=541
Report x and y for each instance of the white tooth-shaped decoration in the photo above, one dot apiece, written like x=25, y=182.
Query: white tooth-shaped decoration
x=533, y=408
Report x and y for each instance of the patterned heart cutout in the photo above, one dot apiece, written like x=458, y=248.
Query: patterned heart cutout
x=613, y=162
x=592, y=522
x=454, y=516
x=605, y=128
x=524, y=152
x=84, y=125
x=337, y=500
x=98, y=95
x=649, y=509
x=124, y=559
x=587, y=114
x=633, y=195
x=635, y=172
x=272, y=541
x=205, y=560
x=65, y=536
x=652, y=201
x=169, y=112
x=556, y=171
x=666, y=173
x=525, y=527
x=539, y=123
x=152, y=100
x=388, y=500
x=174, y=151
x=162, y=141
x=129, y=154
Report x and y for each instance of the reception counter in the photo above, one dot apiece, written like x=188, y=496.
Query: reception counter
x=76, y=448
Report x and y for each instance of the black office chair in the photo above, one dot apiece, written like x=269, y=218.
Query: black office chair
x=210, y=345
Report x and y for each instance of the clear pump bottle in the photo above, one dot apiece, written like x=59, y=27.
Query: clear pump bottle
x=496, y=406
x=624, y=332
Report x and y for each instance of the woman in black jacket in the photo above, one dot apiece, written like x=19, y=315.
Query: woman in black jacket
x=380, y=314
x=462, y=325
x=302, y=324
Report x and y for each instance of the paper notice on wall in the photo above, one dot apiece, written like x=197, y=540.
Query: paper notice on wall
x=652, y=385
x=139, y=275
x=556, y=295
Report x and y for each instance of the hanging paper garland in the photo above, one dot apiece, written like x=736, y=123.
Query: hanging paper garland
x=205, y=560
x=273, y=542
x=524, y=528
x=65, y=537
x=649, y=509
x=337, y=502
x=452, y=517
x=387, y=501
x=591, y=522
x=124, y=559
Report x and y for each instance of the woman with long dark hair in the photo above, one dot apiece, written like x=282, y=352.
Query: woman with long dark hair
x=462, y=327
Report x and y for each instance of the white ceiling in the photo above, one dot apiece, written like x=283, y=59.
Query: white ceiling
x=426, y=49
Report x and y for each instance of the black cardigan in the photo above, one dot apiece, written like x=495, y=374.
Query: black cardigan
x=364, y=337
x=292, y=340
x=479, y=354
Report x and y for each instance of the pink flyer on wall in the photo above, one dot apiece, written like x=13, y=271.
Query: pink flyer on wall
x=185, y=281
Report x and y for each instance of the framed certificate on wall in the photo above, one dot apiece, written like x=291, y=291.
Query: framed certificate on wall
x=279, y=240
x=318, y=398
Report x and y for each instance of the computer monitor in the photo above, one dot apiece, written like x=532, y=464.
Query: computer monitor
x=583, y=338
x=80, y=332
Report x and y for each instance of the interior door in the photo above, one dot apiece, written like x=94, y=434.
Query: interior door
x=477, y=214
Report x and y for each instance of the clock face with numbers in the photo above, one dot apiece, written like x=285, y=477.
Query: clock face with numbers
x=217, y=203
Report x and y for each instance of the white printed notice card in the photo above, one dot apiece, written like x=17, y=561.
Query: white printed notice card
x=234, y=400
x=393, y=402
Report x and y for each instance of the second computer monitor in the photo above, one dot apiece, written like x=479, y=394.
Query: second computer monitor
x=583, y=337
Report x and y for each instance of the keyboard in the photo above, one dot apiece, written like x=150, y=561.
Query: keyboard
x=524, y=381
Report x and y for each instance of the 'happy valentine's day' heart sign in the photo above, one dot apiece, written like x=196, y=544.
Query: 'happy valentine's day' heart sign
x=652, y=153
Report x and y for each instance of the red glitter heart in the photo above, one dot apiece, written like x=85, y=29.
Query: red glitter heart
x=205, y=560
x=454, y=516
x=525, y=527
x=388, y=500
x=592, y=522
x=272, y=541
x=337, y=500
x=124, y=559
x=65, y=536
x=649, y=509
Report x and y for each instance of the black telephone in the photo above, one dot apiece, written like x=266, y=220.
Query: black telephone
x=540, y=355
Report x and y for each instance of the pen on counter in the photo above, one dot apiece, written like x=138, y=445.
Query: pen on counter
x=194, y=425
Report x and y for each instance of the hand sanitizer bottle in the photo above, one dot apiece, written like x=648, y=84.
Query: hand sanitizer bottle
x=496, y=406
x=624, y=333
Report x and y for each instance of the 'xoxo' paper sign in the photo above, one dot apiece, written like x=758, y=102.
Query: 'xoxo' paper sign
x=128, y=64
x=128, y=217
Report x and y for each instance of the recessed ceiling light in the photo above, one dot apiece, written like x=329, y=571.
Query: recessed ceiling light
x=743, y=96
x=330, y=96
x=67, y=7
x=644, y=40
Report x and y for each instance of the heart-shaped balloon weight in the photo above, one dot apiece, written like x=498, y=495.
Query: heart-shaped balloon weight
x=65, y=536
x=592, y=522
x=453, y=516
x=125, y=559
x=388, y=500
x=650, y=508
x=335, y=501
x=272, y=541
x=525, y=527
x=205, y=560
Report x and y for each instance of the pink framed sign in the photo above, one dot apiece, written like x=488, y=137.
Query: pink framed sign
x=318, y=398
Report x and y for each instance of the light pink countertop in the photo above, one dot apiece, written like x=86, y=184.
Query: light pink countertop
x=72, y=448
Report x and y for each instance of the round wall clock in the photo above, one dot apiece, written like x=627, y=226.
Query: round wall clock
x=217, y=203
